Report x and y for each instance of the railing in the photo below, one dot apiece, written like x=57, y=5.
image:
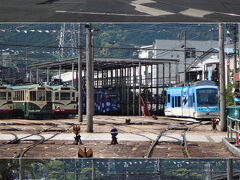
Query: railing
x=233, y=128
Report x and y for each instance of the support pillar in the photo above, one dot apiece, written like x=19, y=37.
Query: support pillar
x=79, y=76
x=157, y=90
x=72, y=74
x=89, y=83
x=127, y=88
x=48, y=75
x=22, y=169
x=37, y=78
x=170, y=75
x=139, y=88
x=223, y=122
x=229, y=169
x=30, y=76
x=134, y=90
x=59, y=71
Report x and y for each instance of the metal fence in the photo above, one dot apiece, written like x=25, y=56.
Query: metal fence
x=233, y=129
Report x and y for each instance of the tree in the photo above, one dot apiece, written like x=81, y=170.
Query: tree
x=9, y=166
x=230, y=95
x=86, y=174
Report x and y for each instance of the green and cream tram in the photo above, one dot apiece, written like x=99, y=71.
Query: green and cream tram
x=6, y=105
x=32, y=101
x=63, y=101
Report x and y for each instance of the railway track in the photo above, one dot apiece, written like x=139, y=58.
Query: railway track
x=171, y=143
x=42, y=139
x=182, y=142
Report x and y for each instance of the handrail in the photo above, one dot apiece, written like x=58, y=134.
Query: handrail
x=233, y=128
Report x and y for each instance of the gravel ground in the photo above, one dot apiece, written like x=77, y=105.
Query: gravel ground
x=104, y=124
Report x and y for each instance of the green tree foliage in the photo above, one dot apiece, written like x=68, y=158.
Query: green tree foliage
x=10, y=166
x=230, y=95
x=86, y=173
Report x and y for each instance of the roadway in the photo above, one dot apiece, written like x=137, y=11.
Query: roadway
x=120, y=11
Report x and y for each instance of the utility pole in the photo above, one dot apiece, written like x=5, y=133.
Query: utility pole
x=223, y=122
x=239, y=46
x=76, y=169
x=229, y=169
x=235, y=51
x=80, y=110
x=26, y=73
x=89, y=78
x=139, y=87
x=185, y=62
x=22, y=169
x=64, y=169
x=93, y=170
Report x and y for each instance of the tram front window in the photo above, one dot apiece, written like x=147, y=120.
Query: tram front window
x=65, y=96
x=207, y=97
x=40, y=95
x=3, y=95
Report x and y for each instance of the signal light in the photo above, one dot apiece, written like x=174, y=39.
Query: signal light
x=76, y=131
x=85, y=153
x=114, y=133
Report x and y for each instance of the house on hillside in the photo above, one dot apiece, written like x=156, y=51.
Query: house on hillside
x=206, y=67
x=201, y=56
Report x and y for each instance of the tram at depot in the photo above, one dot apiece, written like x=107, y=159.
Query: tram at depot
x=6, y=105
x=64, y=102
x=200, y=101
x=32, y=101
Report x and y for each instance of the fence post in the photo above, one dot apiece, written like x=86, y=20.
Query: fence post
x=230, y=128
x=228, y=123
x=237, y=132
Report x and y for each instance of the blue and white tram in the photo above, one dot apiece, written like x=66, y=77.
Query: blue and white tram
x=200, y=101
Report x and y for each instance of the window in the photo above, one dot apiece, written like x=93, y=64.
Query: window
x=173, y=102
x=190, y=101
x=176, y=103
x=73, y=96
x=22, y=97
x=207, y=97
x=193, y=97
x=65, y=96
x=40, y=95
x=9, y=96
x=33, y=96
x=14, y=96
x=49, y=96
x=19, y=96
x=168, y=98
x=56, y=95
x=179, y=101
x=3, y=96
